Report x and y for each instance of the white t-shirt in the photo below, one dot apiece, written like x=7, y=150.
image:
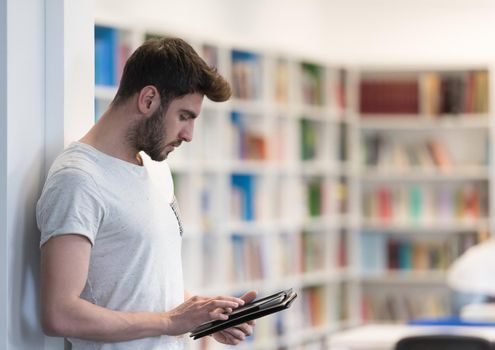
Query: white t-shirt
x=125, y=211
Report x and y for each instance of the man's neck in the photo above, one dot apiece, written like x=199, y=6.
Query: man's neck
x=109, y=135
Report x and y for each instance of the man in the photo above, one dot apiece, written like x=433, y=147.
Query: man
x=111, y=274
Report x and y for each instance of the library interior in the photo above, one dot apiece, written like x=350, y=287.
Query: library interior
x=353, y=162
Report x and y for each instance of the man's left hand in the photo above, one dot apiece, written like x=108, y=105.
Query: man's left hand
x=234, y=335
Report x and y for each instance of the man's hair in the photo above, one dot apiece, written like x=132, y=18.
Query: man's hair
x=174, y=68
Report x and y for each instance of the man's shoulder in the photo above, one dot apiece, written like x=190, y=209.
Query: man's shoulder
x=75, y=160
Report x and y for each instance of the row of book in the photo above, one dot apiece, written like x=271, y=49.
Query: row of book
x=319, y=199
x=381, y=252
x=429, y=93
x=289, y=254
x=425, y=204
x=313, y=87
x=454, y=93
x=312, y=141
x=112, y=50
x=401, y=306
x=382, y=152
x=250, y=140
x=292, y=199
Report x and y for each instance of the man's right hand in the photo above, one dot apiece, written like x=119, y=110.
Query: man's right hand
x=197, y=310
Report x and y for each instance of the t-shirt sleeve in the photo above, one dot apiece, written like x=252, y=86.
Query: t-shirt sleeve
x=70, y=203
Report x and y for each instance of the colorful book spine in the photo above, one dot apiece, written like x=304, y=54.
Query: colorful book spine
x=312, y=84
x=249, y=143
x=106, y=41
x=246, y=75
x=244, y=190
x=309, y=139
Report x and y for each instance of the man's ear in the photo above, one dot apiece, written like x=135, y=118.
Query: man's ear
x=148, y=100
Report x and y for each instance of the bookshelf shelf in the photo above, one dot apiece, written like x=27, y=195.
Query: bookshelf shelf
x=439, y=228
x=420, y=123
x=406, y=278
x=420, y=174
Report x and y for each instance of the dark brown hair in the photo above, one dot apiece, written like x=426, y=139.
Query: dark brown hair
x=174, y=68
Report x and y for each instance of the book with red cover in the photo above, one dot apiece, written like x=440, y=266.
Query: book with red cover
x=389, y=97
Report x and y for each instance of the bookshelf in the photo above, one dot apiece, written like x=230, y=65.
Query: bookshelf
x=423, y=136
x=266, y=183
x=356, y=186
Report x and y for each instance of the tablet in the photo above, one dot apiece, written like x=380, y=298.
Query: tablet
x=250, y=311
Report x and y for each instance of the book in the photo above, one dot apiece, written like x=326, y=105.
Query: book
x=452, y=93
x=244, y=192
x=309, y=139
x=388, y=97
x=105, y=56
x=282, y=81
x=439, y=154
x=246, y=75
x=312, y=84
x=430, y=85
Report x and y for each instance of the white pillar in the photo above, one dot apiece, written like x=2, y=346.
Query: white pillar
x=46, y=99
x=69, y=71
x=3, y=174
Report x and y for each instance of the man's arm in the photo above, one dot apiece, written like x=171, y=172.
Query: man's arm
x=64, y=270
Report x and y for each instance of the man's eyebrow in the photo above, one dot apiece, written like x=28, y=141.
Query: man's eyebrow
x=189, y=113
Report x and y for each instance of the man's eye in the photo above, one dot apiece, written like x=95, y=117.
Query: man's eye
x=183, y=117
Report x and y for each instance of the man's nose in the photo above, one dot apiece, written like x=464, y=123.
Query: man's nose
x=187, y=131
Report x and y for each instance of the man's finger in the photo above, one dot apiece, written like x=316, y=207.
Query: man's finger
x=235, y=333
x=249, y=296
x=245, y=328
x=223, y=304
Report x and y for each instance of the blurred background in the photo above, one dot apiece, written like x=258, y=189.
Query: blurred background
x=352, y=163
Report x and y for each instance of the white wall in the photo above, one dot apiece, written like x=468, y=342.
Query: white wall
x=347, y=31
x=3, y=174
x=27, y=92
x=24, y=168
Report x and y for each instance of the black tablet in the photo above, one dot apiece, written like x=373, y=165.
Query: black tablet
x=250, y=311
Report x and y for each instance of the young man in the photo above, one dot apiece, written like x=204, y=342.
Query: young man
x=111, y=273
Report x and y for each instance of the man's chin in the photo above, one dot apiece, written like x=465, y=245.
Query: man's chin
x=158, y=157
x=162, y=156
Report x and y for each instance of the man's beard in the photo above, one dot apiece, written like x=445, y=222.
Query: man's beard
x=148, y=135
